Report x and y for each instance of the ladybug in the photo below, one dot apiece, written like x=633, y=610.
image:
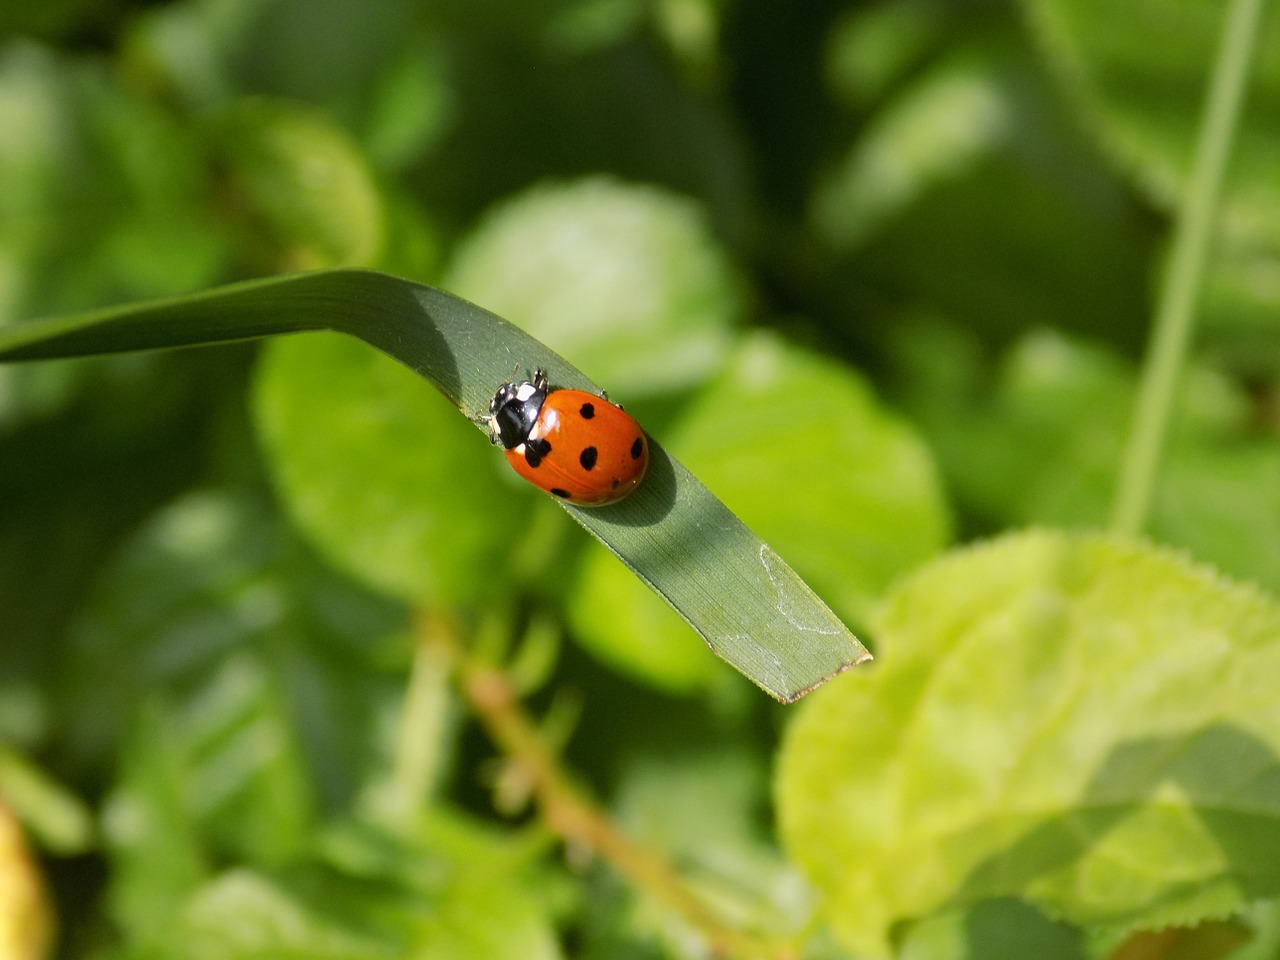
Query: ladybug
x=574, y=445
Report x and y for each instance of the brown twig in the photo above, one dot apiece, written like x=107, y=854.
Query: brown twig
x=573, y=817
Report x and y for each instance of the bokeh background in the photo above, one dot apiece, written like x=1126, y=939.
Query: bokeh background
x=879, y=273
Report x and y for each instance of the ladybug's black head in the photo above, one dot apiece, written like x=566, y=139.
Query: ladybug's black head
x=514, y=410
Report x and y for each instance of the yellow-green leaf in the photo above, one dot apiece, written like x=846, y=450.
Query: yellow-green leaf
x=1086, y=723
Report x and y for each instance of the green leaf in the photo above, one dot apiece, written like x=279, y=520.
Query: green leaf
x=388, y=481
x=60, y=820
x=700, y=806
x=871, y=49
x=798, y=446
x=1084, y=723
x=1263, y=920
x=206, y=53
x=151, y=836
x=625, y=279
x=488, y=918
x=939, y=128
x=1041, y=442
x=305, y=181
x=945, y=197
x=105, y=195
x=244, y=915
x=1143, y=99
x=212, y=587
x=443, y=888
x=747, y=603
x=994, y=930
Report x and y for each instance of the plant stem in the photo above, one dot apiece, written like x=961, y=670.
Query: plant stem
x=579, y=822
x=423, y=721
x=1180, y=286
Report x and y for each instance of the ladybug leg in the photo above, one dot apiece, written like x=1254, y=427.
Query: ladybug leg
x=489, y=425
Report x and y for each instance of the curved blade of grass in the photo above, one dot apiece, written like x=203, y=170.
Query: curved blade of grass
x=746, y=602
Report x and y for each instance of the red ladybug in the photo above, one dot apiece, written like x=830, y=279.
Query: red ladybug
x=572, y=444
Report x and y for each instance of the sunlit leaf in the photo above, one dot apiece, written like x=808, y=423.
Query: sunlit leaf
x=304, y=182
x=625, y=279
x=1083, y=723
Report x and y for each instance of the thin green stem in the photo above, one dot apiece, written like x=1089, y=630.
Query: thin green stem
x=1180, y=287
x=424, y=722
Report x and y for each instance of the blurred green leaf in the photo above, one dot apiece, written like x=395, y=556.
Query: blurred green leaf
x=625, y=279
x=969, y=193
x=798, y=446
x=1118, y=769
x=206, y=53
x=213, y=591
x=1041, y=443
x=362, y=892
x=390, y=482
x=252, y=684
x=104, y=200
x=151, y=834
x=105, y=197
x=994, y=930
x=486, y=917
x=1263, y=920
x=945, y=124
x=412, y=105
x=705, y=809
x=59, y=819
x=1139, y=76
x=304, y=182
x=747, y=603
x=243, y=915
x=872, y=49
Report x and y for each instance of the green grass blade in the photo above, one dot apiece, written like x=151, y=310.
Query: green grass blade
x=673, y=533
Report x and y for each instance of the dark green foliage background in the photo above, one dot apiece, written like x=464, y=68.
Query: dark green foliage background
x=938, y=223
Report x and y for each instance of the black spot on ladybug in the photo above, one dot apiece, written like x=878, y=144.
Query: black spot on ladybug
x=535, y=450
x=588, y=410
x=588, y=458
x=614, y=485
x=562, y=494
x=637, y=448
